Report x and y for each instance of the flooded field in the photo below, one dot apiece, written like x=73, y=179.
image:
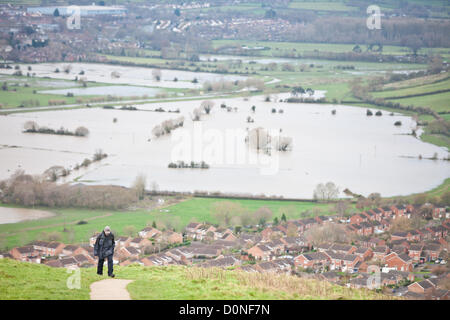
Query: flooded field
x=364, y=154
x=13, y=215
x=122, y=75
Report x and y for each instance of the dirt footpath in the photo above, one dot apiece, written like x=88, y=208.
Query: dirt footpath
x=110, y=289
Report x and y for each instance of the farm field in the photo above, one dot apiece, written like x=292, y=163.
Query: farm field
x=277, y=48
x=416, y=90
x=437, y=102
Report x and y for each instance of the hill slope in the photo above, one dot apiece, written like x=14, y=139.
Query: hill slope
x=21, y=280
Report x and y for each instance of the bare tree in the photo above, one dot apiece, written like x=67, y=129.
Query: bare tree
x=326, y=192
x=196, y=114
x=156, y=73
x=327, y=232
x=31, y=126
x=342, y=207
x=130, y=231
x=207, y=106
x=224, y=211
x=139, y=185
x=262, y=215
x=82, y=131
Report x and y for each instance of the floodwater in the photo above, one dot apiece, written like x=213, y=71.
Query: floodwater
x=364, y=154
x=126, y=75
x=13, y=215
x=122, y=91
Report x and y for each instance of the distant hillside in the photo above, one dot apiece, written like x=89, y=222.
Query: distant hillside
x=21, y=280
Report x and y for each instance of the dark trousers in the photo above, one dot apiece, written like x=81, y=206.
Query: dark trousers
x=110, y=265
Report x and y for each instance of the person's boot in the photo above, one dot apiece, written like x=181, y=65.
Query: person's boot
x=112, y=275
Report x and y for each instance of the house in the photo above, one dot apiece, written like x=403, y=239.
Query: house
x=140, y=242
x=323, y=247
x=172, y=237
x=402, y=275
x=156, y=260
x=358, y=218
x=423, y=287
x=343, y=248
x=378, y=227
x=387, y=211
x=123, y=241
x=439, y=212
x=222, y=262
x=148, y=232
x=355, y=228
x=192, y=227
x=431, y=251
x=366, y=228
x=220, y=232
x=72, y=250
x=129, y=252
x=380, y=252
x=84, y=260
x=378, y=213
x=311, y=260
x=438, y=232
x=330, y=276
x=361, y=266
x=415, y=251
x=364, y=253
x=284, y=265
x=424, y=233
x=22, y=253
x=229, y=237
x=369, y=214
x=400, y=235
x=372, y=242
x=399, y=249
x=40, y=246
x=398, y=210
x=413, y=235
x=344, y=262
x=276, y=246
x=401, y=262
x=267, y=266
x=260, y=252
x=206, y=252
x=362, y=281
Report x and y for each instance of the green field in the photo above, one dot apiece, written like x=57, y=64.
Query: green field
x=415, y=90
x=321, y=5
x=180, y=215
x=275, y=48
x=27, y=281
x=437, y=102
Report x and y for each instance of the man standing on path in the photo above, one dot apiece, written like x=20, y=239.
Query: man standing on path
x=104, y=249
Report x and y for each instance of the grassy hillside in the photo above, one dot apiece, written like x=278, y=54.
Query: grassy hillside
x=21, y=280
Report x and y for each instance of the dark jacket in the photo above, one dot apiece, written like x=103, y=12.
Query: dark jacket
x=104, y=245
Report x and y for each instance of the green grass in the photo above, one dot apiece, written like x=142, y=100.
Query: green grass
x=321, y=6
x=27, y=281
x=181, y=214
x=275, y=48
x=437, y=102
x=421, y=89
